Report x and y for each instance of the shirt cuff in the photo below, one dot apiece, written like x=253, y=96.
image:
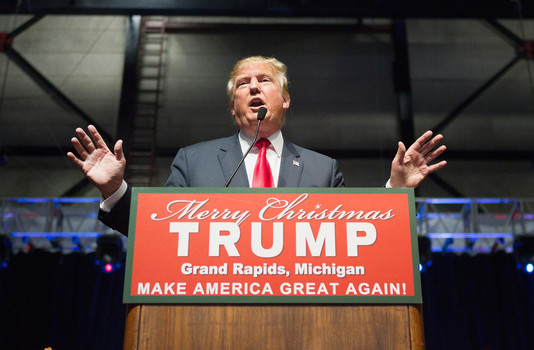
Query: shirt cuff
x=107, y=204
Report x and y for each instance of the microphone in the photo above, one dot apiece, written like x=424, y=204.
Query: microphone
x=261, y=115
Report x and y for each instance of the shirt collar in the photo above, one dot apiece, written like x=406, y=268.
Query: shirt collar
x=276, y=139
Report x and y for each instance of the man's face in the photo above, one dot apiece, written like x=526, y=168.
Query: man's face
x=256, y=86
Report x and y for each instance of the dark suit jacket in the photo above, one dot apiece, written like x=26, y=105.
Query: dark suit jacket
x=211, y=163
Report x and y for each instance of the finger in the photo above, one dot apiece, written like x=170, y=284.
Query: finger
x=78, y=163
x=99, y=141
x=85, y=139
x=436, y=153
x=436, y=167
x=427, y=147
x=82, y=152
x=421, y=141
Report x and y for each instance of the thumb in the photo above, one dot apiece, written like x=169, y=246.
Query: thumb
x=401, y=151
x=117, y=149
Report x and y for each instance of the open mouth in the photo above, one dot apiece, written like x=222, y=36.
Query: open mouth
x=256, y=103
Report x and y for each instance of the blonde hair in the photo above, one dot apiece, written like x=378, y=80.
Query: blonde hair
x=279, y=69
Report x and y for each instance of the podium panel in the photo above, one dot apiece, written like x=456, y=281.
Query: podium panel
x=274, y=269
x=274, y=327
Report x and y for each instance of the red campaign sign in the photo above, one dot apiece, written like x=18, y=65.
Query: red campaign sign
x=272, y=246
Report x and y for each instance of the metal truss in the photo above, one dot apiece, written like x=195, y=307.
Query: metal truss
x=524, y=50
x=6, y=46
x=52, y=224
x=475, y=225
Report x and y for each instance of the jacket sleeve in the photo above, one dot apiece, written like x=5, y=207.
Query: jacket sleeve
x=119, y=217
x=337, y=176
x=179, y=171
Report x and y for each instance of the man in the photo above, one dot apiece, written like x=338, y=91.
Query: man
x=255, y=82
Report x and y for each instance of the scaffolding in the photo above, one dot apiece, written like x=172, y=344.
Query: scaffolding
x=476, y=225
x=52, y=224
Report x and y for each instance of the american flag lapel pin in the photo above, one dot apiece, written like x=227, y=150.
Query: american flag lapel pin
x=295, y=163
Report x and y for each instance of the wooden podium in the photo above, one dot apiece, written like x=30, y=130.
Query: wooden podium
x=377, y=307
x=278, y=327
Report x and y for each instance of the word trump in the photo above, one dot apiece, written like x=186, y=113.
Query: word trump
x=225, y=235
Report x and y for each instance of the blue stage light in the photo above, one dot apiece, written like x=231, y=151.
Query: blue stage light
x=55, y=234
x=524, y=253
x=529, y=268
x=5, y=251
x=425, y=253
x=424, y=267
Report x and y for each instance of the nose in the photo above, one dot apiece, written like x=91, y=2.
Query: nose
x=254, y=85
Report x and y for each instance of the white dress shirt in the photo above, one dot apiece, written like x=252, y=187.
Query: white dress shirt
x=274, y=154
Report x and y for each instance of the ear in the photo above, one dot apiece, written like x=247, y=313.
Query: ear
x=232, y=109
x=287, y=102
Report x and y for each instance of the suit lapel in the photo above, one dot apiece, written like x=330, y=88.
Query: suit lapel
x=291, y=166
x=229, y=156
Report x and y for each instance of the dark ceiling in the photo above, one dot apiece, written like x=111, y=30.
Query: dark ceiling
x=280, y=8
x=450, y=72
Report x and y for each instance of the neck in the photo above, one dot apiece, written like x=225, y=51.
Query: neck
x=247, y=137
x=261, y=135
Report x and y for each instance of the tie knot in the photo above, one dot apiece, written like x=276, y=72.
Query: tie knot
x=262, y=143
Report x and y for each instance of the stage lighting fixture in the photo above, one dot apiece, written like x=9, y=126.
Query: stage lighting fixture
x=425, y=253
x=5, y=251
x=524, y=253
x=109, y=254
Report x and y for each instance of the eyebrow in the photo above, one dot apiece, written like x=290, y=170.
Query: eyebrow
x=261, y=74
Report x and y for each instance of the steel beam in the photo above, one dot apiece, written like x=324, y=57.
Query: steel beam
x=269, y=8
x=486, y=155
x=24, y=26
x=129, y=81
x=75, y=189
x=515, y=41
x=402, y=81
x=355, y=26
x=50, y=89
x=507, y=33
x=446, y=186
x=471, y=98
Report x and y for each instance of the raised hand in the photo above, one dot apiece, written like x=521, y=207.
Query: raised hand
x=410, y=167
x=105, y=169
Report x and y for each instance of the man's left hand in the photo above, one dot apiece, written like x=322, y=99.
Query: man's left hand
x=410, y=167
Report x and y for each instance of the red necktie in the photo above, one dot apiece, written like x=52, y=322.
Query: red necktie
x=262, y=171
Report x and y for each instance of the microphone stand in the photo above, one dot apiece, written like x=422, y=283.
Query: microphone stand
x=261, y=115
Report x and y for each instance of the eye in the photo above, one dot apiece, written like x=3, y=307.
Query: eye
x=240, y=83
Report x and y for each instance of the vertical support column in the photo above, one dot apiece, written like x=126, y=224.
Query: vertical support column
x=401, y=80
x=129, y=81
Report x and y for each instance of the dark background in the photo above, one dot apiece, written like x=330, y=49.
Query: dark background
x=66, y=302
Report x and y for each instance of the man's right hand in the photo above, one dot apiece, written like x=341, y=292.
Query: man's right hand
x=105, y=169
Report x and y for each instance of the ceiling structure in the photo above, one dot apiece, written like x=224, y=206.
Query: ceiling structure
x=360, y=80
x=280, y=8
